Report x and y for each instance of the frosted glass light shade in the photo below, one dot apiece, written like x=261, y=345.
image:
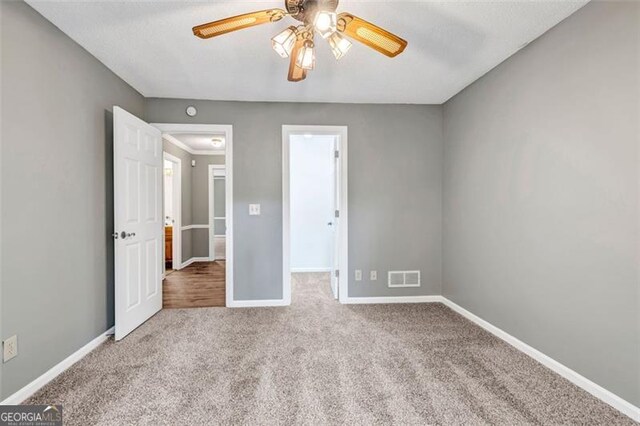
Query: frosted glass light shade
x=325, y=23
x=283, y=42
x=339, y=45
x=307, y=56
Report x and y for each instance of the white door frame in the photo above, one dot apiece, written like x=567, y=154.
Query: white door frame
x=219, y=170
x=227, y=130
x=343, y=230
x=177, y=210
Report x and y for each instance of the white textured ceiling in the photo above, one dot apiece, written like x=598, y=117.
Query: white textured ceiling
x=200, y=142
x=197, y=144
x=451, y=44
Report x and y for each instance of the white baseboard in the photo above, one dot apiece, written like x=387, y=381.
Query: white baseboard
x=37, y=384
x=257, y=303
x=321, y=269
x=186, y=263
x=393, y=299
x=577, y=379
x=193, y=260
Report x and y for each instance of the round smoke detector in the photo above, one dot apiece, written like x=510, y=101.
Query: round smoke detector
x=191, y=111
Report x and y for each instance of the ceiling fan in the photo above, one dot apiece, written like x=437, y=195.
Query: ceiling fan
x=297, y=42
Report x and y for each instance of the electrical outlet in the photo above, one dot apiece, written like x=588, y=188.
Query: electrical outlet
x=358, y=275
x=373, y=275
x=9, y=348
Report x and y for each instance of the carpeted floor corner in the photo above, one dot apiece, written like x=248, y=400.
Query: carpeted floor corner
x=317, y=362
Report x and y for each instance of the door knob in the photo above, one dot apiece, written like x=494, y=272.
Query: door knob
x=124, y=235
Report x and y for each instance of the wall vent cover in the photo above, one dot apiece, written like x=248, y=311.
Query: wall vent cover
x=404, y=278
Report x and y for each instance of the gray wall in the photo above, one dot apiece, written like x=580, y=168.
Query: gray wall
x=395, y=158
x=200, y=200
x=541, y=196
x=195, y=199
x=57, y=192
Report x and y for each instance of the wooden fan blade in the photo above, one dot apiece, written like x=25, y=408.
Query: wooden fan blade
x=373, y=36
x=295, y=72
x=235, y=23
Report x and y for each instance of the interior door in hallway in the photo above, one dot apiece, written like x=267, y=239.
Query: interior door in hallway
x=138, y=220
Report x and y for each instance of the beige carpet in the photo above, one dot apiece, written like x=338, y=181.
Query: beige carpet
x=316, y=362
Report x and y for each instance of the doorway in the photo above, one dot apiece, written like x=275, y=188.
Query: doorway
x=315, y=208
x=140, y=215
x=217, y=212
x=201, y=275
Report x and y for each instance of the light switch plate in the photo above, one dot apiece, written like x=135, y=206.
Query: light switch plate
x=358, y=275
x=373, y=275
x=10, y=348
x=254, y=209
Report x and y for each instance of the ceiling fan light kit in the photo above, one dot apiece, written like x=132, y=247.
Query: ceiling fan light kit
x=297, y=43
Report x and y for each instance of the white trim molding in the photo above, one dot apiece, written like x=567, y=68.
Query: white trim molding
x=188, y=227
x=577, y=379
x=393, y=299
x=258, y=303
x=194, y=260
x=219, y=171
x=27, y=391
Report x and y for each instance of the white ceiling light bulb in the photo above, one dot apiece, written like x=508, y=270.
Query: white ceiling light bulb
x=283, y=42
x=326, y=23
x=339, y=45
x=307, y=57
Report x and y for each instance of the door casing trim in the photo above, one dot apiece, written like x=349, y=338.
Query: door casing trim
x=341, y=132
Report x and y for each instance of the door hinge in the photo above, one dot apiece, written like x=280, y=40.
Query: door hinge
x=337, y=273
x=336, y=153
x=337, y=213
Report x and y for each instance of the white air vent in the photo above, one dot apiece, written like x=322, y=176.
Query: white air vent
x=404, y=278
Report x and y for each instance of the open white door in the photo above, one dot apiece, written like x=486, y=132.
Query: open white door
x=335, y=278
x=137, y=175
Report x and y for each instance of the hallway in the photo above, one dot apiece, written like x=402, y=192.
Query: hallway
x=199, y=285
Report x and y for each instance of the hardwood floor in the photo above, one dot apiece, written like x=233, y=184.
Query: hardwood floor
x=199, y=285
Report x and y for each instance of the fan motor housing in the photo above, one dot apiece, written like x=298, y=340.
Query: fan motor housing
x=305, y=10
